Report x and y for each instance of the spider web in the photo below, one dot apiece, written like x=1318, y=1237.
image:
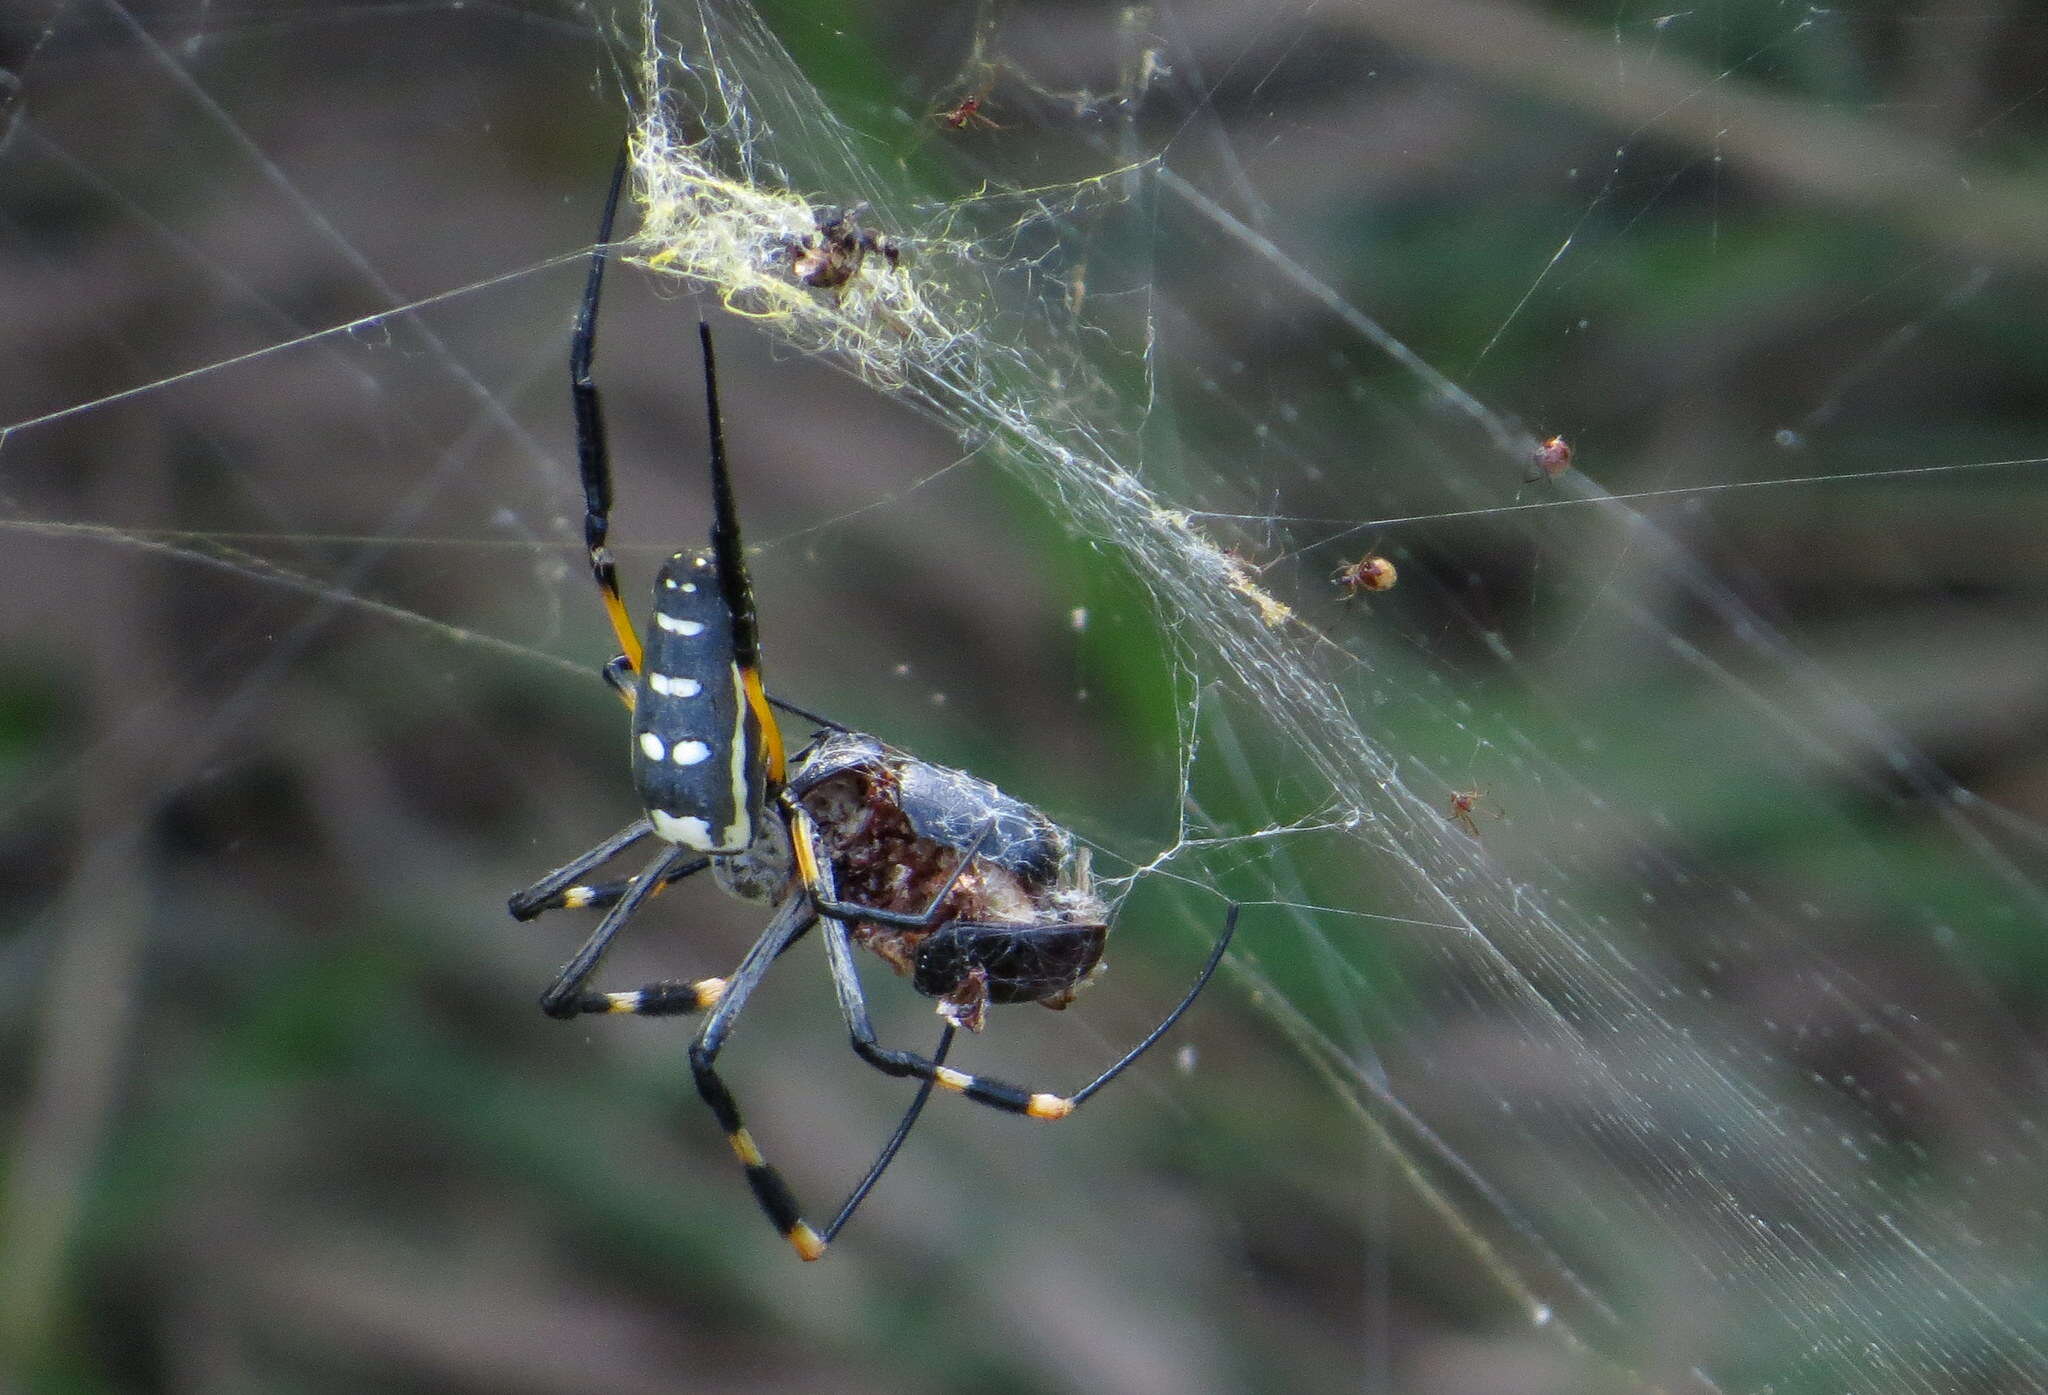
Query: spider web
x=1694, y=1061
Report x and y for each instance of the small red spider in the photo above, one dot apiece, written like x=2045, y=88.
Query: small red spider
x=1371, y=572
x=968, y=113
x=1551, y=458
x=1463, y=804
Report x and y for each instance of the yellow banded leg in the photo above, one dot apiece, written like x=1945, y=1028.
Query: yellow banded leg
x=792, y=919
x=853, y=1006
x=623, y=679
x=1002, y=1095
x=598, y=896
x=543, y=895
x=607, y=573
x=771, y=730
x=997, y=1094
x=770, y=1191
x=565, y=997
x=670, y=998
x=1043, y=1106
x=593, y=456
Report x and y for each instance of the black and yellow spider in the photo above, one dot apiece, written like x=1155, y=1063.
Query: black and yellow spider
x=978, y=897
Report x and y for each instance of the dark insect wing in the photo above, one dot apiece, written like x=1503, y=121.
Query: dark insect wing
x=834, y=753
x=1022, y=963
x=697, y=747
x=947, y=806
x=950, y=806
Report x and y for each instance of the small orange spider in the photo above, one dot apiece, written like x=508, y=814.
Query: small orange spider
x=1551, y=458
x=968, y=113
x=1371, y=572
x=1463, y=804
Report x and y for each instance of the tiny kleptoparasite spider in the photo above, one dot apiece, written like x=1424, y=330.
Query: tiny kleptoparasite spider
x=1550, y=458
x=976, y=896
x=968, y=113
x=1371, y=572
x=1464, y=804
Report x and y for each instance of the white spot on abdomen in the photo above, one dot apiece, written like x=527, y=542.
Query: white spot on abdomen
x=689, y=832
x=651, y=744
x=666, y=686
x=679, y=627
x=690, y=753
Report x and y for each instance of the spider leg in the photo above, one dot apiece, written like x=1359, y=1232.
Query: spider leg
x=669, y=998
x=1166, y=1023
x=619, y=675
x=547, y=893
x=997, y=1094
x=564, y=997
x=793, y=918
x=598, y=896
x=593, y=458
x=729, y=556
x=673, y=997
x=666, y=998
x=889, y=1149
x=826, y=723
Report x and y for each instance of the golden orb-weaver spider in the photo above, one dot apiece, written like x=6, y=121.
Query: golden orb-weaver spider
x=978, y=897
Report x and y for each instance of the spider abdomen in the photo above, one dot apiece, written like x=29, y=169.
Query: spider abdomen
x=698, y=757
